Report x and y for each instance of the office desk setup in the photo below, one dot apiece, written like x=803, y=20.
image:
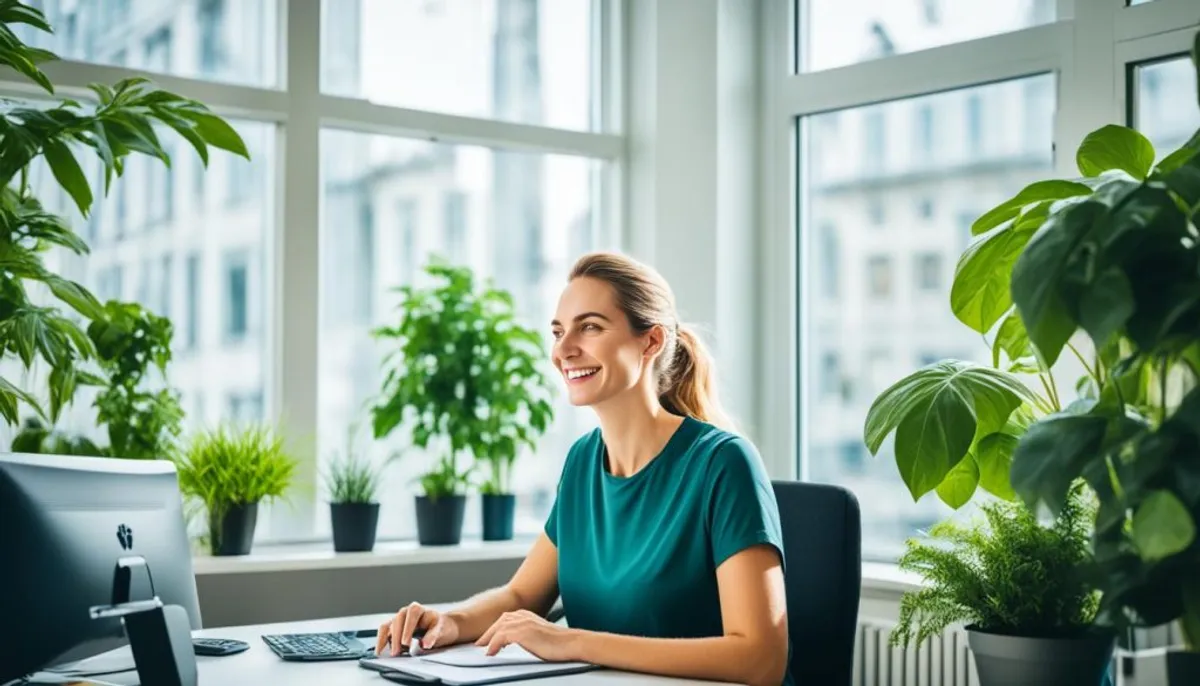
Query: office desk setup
x=259, y=665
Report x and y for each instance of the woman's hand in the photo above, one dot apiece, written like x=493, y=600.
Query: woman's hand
x=440, y=629
x=550, y=642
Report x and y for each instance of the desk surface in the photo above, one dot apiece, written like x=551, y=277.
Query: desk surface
x=259, y=665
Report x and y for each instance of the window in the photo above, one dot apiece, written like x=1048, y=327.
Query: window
x=237, y=296
x=879, y=276
x=116, y=28
x=245, y=407
x=925, y=208
x=192, y=302
x=831, y=374
x=210, y=15
x=159, y=195
x=875, y=211
x=1164, y=103
x=975, y=124
x=929, y=272
x=874, y=153
x=527, y=62
x=166, y=286
x=890, y=340
x=456, y=226
x=533, y=200
x=830, y=255
x=924, y=136
x=835, y=33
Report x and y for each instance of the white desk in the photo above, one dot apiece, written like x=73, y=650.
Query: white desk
x=258, y=665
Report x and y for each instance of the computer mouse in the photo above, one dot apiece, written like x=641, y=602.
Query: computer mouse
x=218, y=646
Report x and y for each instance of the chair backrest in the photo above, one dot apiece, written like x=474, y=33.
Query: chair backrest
x=822, y=541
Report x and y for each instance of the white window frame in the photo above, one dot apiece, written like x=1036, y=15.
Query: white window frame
x=300, y=110
x=1089, y=48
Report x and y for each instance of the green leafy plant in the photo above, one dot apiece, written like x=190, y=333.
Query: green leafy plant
x=35, y=437
x=120, y=123
x=1121, y=265
x=229, y=466
x=1011, y=575
x=351, y=478
x=463, y=370
x=142, y=424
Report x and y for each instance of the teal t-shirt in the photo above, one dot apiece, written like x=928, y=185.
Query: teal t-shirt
x=638, y=555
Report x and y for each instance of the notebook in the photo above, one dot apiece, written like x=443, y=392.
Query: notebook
x=467, y=665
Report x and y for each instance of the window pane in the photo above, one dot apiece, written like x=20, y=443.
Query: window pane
x=835, y=33
x=388, y=205
x=172, y=266
x=1165, y=103
x=878, y=302
x=527, y=61
x=232, y=41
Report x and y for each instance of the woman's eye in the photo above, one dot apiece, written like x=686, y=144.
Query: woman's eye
x=590, y=327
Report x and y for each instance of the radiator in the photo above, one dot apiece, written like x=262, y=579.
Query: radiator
x=945, y=660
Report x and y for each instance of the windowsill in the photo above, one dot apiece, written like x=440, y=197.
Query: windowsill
x=315, y=556
x=887, y=580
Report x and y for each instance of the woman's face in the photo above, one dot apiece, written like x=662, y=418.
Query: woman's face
x=595, y=349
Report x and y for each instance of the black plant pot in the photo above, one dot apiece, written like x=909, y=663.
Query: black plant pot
x=1002, y=660
x=1183, y=668
x=234, y=533
x=498, y=516
x=440, y=520
x=354, y=526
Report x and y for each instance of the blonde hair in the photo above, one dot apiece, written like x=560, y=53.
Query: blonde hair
x=686, y=375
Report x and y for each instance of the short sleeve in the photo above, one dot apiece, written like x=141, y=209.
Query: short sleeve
x=551, y=527
x=742, y=511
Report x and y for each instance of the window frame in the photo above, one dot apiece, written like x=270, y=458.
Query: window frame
x=1091, y=48
x=299, y=111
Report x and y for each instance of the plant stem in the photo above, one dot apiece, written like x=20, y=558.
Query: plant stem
x=1162, y=390
x=24, y=181
x=1047, y=385
x=1095, y=374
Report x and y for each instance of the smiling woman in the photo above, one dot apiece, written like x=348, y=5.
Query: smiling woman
x=696, y=588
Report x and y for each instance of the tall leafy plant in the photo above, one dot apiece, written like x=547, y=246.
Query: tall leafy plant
x=1122, y=266
x=121, y=122
x=463, y=370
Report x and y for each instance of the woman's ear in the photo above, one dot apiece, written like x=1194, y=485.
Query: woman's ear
x=656, y=338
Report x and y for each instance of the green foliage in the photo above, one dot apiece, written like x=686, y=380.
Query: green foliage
x=949, y=419
x=142, y=424
x=1123, y=268
x=463, y=370
x=120, y=124
x=37, y=438
x=229, y=466
x=351, y=478
x=1014, y=576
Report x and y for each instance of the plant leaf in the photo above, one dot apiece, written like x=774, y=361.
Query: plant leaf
x=960, y=484
x=1115, y=147
x=1036, y=274
x=67, y=171
x=1162, y=526
x=1051, y=454
x=216, y=131
x=994, y=456
x=1106, y=305
x=1035, y=192
x=78, y=297
x=937, y=413
x=1012, y=339
x=980, y=294
x=1176, y=159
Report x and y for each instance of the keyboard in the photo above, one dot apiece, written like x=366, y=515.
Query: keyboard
x=334, y=645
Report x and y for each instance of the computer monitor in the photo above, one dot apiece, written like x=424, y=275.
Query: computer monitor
x=66, y=521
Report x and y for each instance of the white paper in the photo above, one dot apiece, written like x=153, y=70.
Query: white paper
x=469, y=655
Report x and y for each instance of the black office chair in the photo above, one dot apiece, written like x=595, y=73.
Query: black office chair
x=822, y=541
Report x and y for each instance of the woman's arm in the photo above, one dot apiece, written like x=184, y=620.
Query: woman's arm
x=753, y=651
x=533, y=587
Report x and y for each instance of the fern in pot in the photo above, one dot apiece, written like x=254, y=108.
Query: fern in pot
x=465, y=380
x=229, y=471
x=1020, y=588
x=352, y=482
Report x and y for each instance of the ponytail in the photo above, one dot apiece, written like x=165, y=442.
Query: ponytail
x=689, y=382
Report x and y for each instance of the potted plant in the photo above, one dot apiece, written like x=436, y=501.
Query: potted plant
x=120, y=123
x=464, y=377
x=1122, y=265
x=1019, y=588
x=352, y=482
x=230, y=471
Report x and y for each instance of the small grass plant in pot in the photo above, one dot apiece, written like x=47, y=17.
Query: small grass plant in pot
x=230, y=470
x=464, y=379
x=352, y=483
x=1020, y=588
